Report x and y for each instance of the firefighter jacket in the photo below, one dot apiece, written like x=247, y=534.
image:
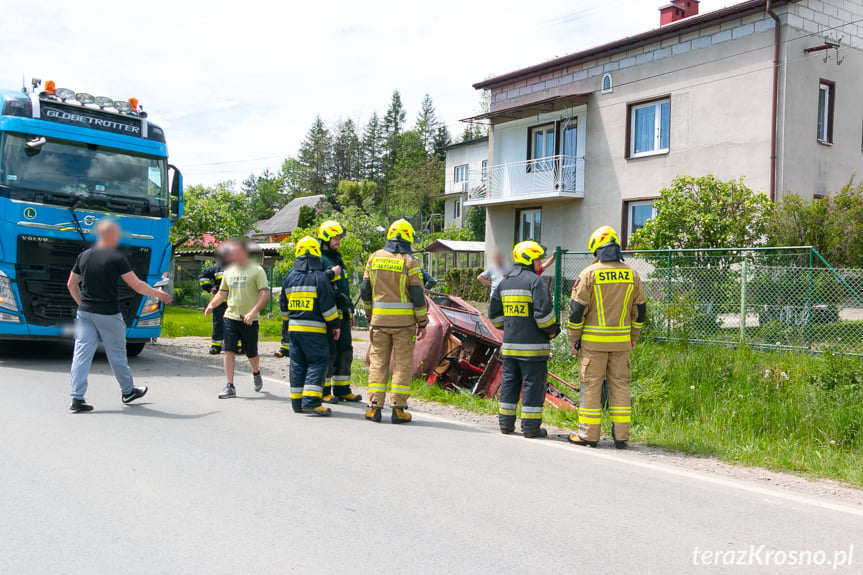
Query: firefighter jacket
x=392, y=288
x=521, y=305
x=341, y=285
x=308, y=298
x=211, y=278
x=607, y=307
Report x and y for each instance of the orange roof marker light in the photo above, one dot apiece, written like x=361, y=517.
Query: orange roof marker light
x=133, y=104
x=50, y=87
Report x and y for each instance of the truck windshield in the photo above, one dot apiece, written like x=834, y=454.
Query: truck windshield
x=96, y=177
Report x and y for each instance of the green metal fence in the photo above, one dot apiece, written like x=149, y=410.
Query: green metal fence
x=781, y=298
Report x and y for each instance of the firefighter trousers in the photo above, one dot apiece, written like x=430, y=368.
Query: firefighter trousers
x=218, y=339
x=528, y=380
x=341, y=357
x=397, y=343
x=309, y=358
x=285, y=344
x=594, y=367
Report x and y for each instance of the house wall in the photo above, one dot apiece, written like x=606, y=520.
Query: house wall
x=473, y=155
x=807, y=167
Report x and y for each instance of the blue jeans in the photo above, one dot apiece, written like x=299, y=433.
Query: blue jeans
x=110, y=330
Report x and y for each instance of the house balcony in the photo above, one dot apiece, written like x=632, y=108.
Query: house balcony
x=473, y=186
x=552, y=177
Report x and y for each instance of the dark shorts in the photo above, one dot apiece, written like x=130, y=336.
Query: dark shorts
x=237, y=331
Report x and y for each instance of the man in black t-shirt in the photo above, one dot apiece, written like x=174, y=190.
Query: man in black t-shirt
x=93, y=284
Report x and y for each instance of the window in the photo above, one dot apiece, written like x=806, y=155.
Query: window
x=456, y=210
x=607, y=84
x=541, y=146
x=637, y=213
x=461, y=173
x=649, y=128
x=826, y=99
x=529, y=225
x=484, y=170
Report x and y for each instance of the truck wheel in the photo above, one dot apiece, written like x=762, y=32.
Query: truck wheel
x=134, y=349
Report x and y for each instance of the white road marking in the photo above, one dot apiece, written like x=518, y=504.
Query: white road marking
x=589, y=452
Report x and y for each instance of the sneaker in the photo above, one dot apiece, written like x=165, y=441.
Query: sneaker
x=259, y=381
x=373, y=414
x=537, y=433
x=331, y=399
x=136, y=393
x=576, y=440
x=351, y=397
x=322, y=411
x=215, y=350
x=400, y=415
x=80, y=405
x=229, y=392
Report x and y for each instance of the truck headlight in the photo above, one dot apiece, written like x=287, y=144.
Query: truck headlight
x=151, y=306
x=8, y=317
x=152, y=322
x=7, y=297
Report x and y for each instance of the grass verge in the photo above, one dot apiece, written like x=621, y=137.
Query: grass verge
x=181, y=321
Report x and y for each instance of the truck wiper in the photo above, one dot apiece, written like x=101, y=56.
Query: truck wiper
x=75, y=203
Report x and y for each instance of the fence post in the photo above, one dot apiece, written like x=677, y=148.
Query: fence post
x=743, y=281
x=811, y=298
x=270, y=299
x=198, y=291
x=668, y=295
x=557, y=281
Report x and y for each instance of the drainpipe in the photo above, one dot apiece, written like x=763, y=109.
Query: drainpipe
x=775, y=104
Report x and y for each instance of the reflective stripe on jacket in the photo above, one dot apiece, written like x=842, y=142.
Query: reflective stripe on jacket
x=307, y=299
x=392, y=291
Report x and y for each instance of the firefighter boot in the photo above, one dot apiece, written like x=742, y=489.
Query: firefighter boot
x=373, y=414
x=322, y=411
x=400, y=415
x=283, y=351
x=620, y=444
x=576, y=440
x=215, y=349
x=351, y=397
x=535, y=433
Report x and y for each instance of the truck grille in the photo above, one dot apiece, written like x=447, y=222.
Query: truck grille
x=43, y=268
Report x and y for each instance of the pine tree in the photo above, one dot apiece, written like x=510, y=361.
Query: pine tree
x=442, y=139
x=427, y=124
x=346, y=151
x=372, y=150
x=315, y=156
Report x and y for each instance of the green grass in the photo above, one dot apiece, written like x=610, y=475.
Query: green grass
x=781, y=410
x=180, y=321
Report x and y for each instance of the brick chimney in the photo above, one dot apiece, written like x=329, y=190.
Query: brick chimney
x=677, y=10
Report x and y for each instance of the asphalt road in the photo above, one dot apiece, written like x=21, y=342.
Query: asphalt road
x=186, y=483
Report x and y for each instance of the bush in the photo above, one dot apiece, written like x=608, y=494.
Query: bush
x=462, y=282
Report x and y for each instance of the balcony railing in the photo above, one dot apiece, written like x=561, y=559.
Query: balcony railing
x=472, y=186
x=550, y=177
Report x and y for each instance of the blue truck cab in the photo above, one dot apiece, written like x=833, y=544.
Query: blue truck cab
x=68, y=160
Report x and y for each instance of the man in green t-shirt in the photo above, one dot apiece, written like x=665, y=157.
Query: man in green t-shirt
x=245, y=288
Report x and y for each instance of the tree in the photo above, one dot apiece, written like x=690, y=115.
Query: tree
x=265, y=194
x=217, y=210
x=372, y=150
x=346, y=151
x=395, y=117
x=427, y=124
x=474, y=221
x=442, y=139
x=415, y=183
x=357, y=193
x=833, y=225
x=292, y=176
x=705, y=213
x=315, y=157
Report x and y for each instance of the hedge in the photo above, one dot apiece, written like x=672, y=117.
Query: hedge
x=462, y=282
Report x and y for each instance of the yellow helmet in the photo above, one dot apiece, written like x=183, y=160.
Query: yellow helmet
x=401, y=228
x=527, y=252
x=603, y=236
x=330, y=229
x=308, y=246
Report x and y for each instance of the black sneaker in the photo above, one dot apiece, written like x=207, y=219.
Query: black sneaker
x=229, y=392
x=136, y=393
x=80, y=405
x=259, y=381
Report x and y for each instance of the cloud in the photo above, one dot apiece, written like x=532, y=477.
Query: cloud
x=236, y=85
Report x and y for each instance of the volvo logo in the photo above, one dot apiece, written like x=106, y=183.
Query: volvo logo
x=89, y=220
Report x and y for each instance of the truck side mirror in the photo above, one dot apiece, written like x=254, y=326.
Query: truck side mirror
x=176, y=192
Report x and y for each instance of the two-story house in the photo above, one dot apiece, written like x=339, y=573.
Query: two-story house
x=768, y=90
x=466, y=175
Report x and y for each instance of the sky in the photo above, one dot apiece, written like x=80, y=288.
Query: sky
x=236, y=85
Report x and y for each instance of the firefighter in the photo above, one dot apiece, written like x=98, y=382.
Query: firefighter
x=606, y=314
x=393, y=297
x=521, y=305
x=285, y=343
x=337, y=384
x=307, y=296
x=210, y=280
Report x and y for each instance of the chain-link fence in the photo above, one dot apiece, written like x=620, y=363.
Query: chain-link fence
x=783, y=298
